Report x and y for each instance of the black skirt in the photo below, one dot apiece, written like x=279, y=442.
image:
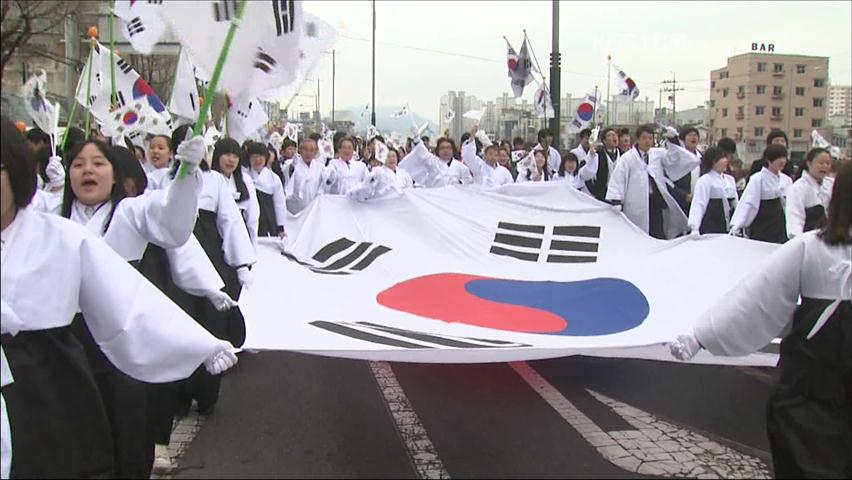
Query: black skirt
x=809, y=419
x=714, y=217
x=57, y=419
x=267, y=225
x=769, y=225
x=814, y=218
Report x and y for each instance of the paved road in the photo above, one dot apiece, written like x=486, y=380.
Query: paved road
x=291, y=415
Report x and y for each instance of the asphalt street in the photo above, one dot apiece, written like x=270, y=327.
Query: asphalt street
x=293, y=415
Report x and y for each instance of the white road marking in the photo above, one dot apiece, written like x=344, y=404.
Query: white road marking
x=420, y=449
x=655, y=447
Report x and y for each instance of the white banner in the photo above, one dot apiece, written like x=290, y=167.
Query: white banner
x=460, y=275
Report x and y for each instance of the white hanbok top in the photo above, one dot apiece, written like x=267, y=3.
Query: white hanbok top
x=680, y=162
x=306, y=183
x=269, y=183
x=629, y=184
x=348, y=175
x=575, y=181
x=216, y=197
x=139, y=329
x=554, y=158
x=805, y=193
x=430, y=171
x=712, y=185
x=158, y=179
x=761, y=307
x=763, y=185
x=249, y=208
x=484, y=174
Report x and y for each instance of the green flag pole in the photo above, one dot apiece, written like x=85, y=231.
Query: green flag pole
x=89, y=89
x=214, y=80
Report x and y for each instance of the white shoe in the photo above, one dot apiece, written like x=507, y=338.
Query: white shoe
x=162, y=460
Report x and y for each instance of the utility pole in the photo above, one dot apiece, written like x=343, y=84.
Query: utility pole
x=333, y=64
x=555, y=91
x=373, y=103
x=319, y=115
x=659, y=105
x=673, y=89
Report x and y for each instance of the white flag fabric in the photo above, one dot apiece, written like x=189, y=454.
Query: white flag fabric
x=142, y=27
x=403, y=111
x=42, y=112
x=527, y=271
x=818, y=141
x=450, y=115
x=184, y=100
x=372, y=132
x=83, y=83
x=543, y=104
x=522, y=73
x=473, y=114
x=584, y=116
x=245, y=118
x=264, y=53
x=626, y=86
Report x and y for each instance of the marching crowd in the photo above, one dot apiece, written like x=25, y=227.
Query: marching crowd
x=97, y=363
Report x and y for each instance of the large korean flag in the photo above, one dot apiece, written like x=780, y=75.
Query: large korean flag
x=458, y=274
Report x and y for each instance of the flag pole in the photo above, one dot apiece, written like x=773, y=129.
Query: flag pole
x=214, y=80
x=89, y=87
x=608, y=70
x=70, y=119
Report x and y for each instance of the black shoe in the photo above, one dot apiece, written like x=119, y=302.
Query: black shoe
x=206, y=410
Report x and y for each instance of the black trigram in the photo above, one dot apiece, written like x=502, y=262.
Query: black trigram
x=404, y=338
x=135, y=26
x=223, y=10
x=310, y=29
x=123, y=65
x=567, y=243
x=285, y=15
x=155, y=2
x=343, y=257
x=192, y=101
x=264, y=62
x=120, y=98
x=98, y=77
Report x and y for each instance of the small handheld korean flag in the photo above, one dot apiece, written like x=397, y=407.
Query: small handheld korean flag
x=543, y=105
x=381, y=151
x=450, y=115
x=40, y=110
x=143, y=27
x=372, y=132
x=585, y=114
x=265, y=50
x=403, y=111
x=291, y=131
x=184, y=102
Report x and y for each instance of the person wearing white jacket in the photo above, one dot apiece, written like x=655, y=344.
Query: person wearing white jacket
x=803, y=289
x=485, y=172
x=761, y=206
x=432, y=171
x=54, y=406
x=809, y=196
x=714, y=197
x=307, y=177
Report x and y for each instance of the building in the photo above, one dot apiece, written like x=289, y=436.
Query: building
x=757, y=92
x=840, y=101
x=459, y=103
x=626, y=112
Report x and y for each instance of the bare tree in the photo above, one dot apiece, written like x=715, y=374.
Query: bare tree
x=24, y=19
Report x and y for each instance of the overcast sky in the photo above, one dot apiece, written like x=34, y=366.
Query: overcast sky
x=424, y=49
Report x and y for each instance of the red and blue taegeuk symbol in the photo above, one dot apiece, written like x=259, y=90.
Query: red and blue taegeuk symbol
x=598, y=306
x=585, y=111
x=142, y=89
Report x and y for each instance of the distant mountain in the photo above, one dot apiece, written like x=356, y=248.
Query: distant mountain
x=386, y=123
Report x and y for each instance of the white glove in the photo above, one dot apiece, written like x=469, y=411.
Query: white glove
x=245, y=277
x=735, y=232
x=695, y=233
x=222, y=360
x=685, y=347
x=191, y=151
x=221, y=301
x=55, y=174
x=671, y=132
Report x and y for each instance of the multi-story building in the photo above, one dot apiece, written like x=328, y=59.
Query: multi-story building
x=458, y=103
x=840, y=101
x=757, y=92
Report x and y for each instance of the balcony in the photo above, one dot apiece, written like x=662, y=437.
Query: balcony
x=778, y=74
x=777, y=96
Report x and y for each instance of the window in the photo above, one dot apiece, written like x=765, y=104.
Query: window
x=741, y=89
x=816, y=123
x=724, y=132
x=761, y=66
x=712, y=83
x=800, y=91
x=797, y=133
x=758, y=131
x=761, y=89
x=818, y=102
x=712, y=103
x=740, y=132
x=723, y=74
x=800, y=69
x=819, y=82
x=759, y=110
x=724, y=112
x=779, y=67
x=799, y=112
x=776, y=111
x=724, y=92
x=740, y=111
x=777, y=90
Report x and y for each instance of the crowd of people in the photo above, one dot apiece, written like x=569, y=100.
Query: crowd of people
x=96, y=354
